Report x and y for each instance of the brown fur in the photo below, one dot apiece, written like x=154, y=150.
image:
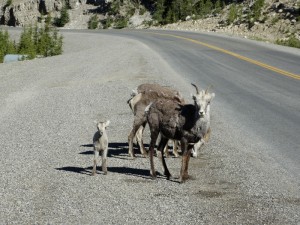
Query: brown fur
x=147, y=93
x=175, y=121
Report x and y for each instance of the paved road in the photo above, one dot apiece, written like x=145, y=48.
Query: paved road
x=247, y=174
x=264, y=102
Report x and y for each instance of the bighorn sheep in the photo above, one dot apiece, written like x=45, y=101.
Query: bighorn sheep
x=143, y=96
x=205, y=120
x=179, y=122
x=100, y=142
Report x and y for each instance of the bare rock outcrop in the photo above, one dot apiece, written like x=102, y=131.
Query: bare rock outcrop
x=20, y=13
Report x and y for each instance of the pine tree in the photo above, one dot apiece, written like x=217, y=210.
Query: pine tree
x=64, y=17
x=26, y=45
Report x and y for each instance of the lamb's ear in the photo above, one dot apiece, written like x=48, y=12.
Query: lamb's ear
x=96, y=122
x=194, y=97
x=107, y=123
x=212, y=96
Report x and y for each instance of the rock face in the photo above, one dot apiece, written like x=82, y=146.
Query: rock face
x=279, y=19
x=20, y=12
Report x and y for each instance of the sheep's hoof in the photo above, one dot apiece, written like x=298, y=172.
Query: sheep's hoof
x=93, y=174
x=146, y=155
x=153, y=176
x=132, y=156
x=183, y=179
x=105, y=173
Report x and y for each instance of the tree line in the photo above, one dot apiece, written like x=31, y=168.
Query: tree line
x=34, y=41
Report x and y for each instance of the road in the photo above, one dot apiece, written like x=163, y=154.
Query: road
x=262, y=100
x=248, y=173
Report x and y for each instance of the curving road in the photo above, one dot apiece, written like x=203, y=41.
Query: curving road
x=257, y=85
x=248, y=173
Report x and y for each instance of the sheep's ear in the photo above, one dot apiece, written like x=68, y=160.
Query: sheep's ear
x=107, y=123
x=194, y=97
x=96, y=122
x=212, y=95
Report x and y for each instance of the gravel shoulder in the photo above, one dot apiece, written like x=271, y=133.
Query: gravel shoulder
x=47, y=113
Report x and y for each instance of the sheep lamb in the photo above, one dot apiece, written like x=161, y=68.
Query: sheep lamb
x=100, y=143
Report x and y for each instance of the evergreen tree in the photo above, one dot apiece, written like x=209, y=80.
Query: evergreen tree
x=26, y=45
x=64, y=17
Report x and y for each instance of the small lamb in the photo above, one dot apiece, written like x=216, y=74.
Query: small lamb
x=100, y=142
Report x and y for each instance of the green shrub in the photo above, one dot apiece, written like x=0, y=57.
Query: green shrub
x=120, y=22
x=8, y=3
x=257, y=7
x=233, y=13
x=106, y=23
x=6, y=45
x=64, y=17
x=93, y=22
x=27, y=45
x=292, y=41
x=114, y=7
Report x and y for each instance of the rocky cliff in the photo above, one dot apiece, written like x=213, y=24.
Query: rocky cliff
x=20, y=12
x=279, y=19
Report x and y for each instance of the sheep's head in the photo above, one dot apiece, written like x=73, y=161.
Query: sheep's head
x=202, y=99
x=101, y=126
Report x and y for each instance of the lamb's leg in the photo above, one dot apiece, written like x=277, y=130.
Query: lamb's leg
x=163, y=142
x=104, y=161
x=96, y=155
x=139, y=137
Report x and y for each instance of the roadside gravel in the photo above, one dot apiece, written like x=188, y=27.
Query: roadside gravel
x=47, y=113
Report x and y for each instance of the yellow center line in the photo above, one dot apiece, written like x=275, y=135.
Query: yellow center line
x=272, y=68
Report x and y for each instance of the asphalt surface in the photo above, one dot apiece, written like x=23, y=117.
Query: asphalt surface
x=264, y=102
x=247, y=174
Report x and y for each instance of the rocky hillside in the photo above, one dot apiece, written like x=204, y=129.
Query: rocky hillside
x=277, y=19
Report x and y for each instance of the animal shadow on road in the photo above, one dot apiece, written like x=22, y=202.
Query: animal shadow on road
x=115, y=149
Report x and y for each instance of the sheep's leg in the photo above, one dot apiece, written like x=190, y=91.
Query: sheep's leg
x=104, y=161
x=130, y=143
x=196, y=148
x=166, y=150
x=151, y=152
x=185, y=161
x=96, y=155
x=139, y=137
x=175, y=148
x=163, y=142
x=154, y=136
x=207, y=135
x=138, y=122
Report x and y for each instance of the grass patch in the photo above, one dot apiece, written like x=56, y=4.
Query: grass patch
x=292, y=41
